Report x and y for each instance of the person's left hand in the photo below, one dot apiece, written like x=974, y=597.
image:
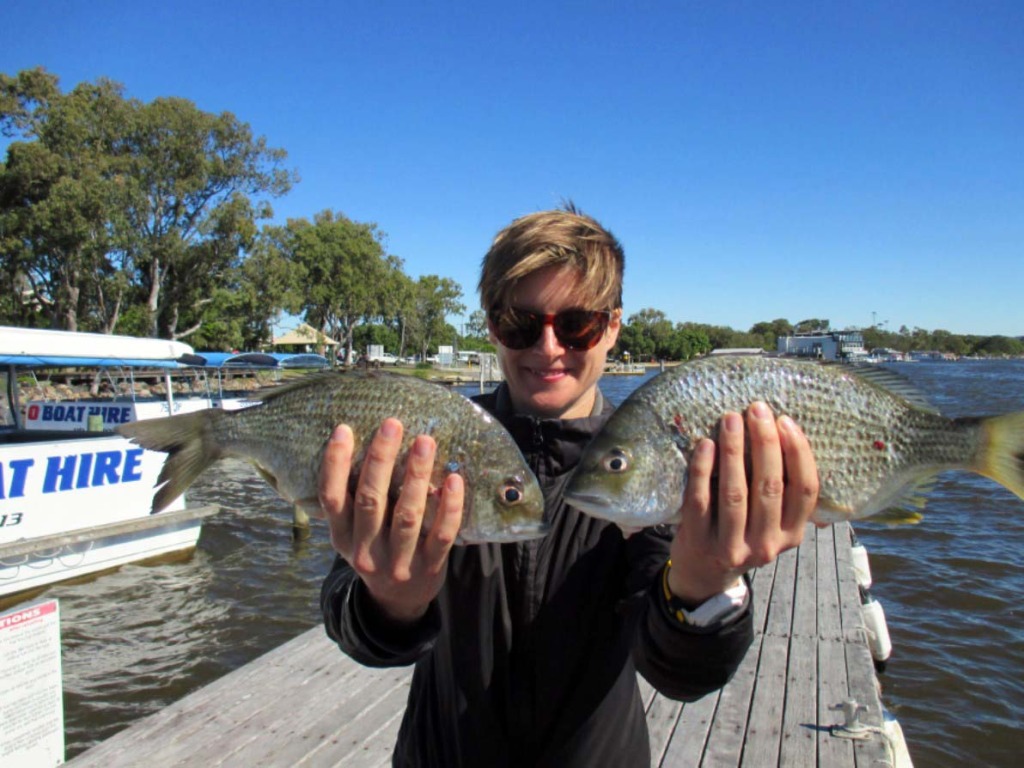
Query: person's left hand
x=753, y=519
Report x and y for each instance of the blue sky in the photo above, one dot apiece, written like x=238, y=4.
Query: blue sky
x=861, y=162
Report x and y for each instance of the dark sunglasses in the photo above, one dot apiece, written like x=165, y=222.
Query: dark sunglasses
x=575, y=329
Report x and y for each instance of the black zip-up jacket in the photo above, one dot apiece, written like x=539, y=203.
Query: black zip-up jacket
x=528, y=657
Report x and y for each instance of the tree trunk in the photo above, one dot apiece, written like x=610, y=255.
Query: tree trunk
x=153, y=303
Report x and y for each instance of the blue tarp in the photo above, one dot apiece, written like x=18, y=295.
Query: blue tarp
x=45, y=361
x=300, y=360
x=199, y=359
x=256, y=360
x=234, y=360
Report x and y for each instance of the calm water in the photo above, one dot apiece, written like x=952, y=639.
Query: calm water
x=951, y=587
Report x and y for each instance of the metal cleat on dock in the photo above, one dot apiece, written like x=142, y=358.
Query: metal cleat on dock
x=852, y=727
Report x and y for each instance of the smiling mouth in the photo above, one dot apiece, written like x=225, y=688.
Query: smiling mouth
x=549, y=373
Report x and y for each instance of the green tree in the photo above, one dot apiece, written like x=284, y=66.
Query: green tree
x=436, y=298
x=476, y=325
x=192, y=177
x=242, y=314
x=633, y=340
x=999, y=346
x=770, y=332
x=61, y=193
x=811, y=325
x=399, y=302
x=693, y=341
x=347, y=275
x=106, y=199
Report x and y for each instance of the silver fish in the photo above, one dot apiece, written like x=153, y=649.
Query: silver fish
x=875, y=440
x=284, y=435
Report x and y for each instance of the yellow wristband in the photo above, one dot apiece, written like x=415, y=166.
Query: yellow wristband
x=711, y=610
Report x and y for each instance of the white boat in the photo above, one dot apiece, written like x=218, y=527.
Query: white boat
x=75, y=498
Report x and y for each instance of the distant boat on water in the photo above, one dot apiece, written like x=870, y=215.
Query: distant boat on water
x=626, y=369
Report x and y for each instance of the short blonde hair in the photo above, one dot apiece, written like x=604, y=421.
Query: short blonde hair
x=565, y=237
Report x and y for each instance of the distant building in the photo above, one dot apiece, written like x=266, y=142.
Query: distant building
x=824, y=345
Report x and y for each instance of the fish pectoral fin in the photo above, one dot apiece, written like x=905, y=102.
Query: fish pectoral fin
x=310, y=505
x=269, y=477
x=916, y=494
x=897, y=516
x=828, y=512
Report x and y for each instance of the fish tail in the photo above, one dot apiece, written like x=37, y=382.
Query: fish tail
x=189, y=441
x=1001, y=455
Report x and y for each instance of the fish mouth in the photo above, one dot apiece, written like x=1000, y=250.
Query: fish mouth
x=592, y=504
x=506, y=536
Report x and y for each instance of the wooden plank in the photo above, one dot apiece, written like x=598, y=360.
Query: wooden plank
x=832, y=691
x=661, y=723
x=211, y=706
x=762, y=587
x=800, y=715
x=832, y=681
x=690, y=737
x=244, y=706
x=805, y=595
x=330, y=736
x=799, y=746
x=764, y=725
x=646, y=691
x=846, y=587
x=376, y=748
x=779, y=621
x=728, y=729
x=860, y=668
x=830, y=625
x=359, y=702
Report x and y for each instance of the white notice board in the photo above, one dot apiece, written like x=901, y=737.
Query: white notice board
x=31, y=700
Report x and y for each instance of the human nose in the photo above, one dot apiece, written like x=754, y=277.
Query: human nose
x=548, y=341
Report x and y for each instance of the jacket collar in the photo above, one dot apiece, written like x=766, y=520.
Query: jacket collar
x=559, y=443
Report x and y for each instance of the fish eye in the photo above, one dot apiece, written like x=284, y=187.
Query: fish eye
x=511, y=492
x=616, y=461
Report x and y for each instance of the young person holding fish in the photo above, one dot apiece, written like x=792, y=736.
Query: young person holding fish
x=526, y=652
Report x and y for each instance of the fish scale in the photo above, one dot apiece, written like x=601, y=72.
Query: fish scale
x=873, y=438
x=285, y=434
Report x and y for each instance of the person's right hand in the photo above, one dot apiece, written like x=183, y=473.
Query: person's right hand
x=402, y=569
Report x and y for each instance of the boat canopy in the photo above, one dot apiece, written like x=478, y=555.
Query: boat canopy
x=31, y=347
x=255, y=360
x=300, y=360
x=232, y=360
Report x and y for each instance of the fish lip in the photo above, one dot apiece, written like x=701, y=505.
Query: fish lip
x=589, y=503
x=511, y=535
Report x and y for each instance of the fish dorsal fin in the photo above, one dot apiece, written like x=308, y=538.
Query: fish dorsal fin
x=893, y=382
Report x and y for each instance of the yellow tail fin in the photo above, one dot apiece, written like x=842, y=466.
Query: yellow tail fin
x=1002, y=451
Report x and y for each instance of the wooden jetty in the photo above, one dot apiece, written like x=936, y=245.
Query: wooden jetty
x=307, y=704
